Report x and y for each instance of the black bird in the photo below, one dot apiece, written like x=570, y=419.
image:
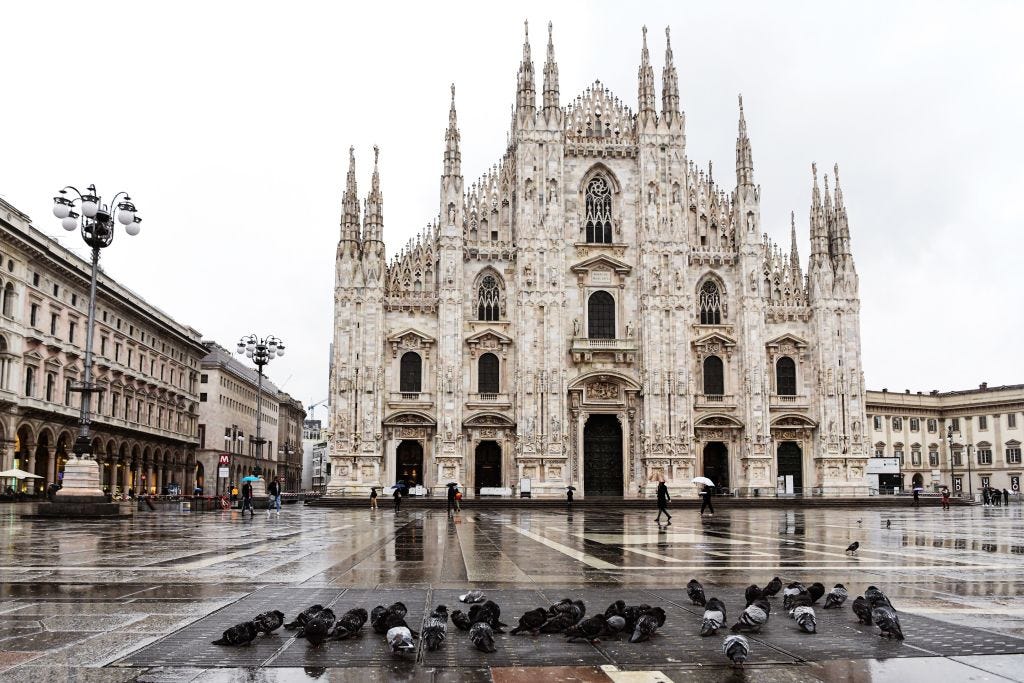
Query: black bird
x=589, y=629
x=350, y=623
x=633, y=614
x=268, y=622
x=805, y=619
x=494, y=611
x=659, y=615
x=816, y=590
x=753, y=617
x=886, y=619
x=239, y=634
x=435, y=629
x=482, y=637
x=876, y=597
x=316, y=630
x=714, y=617
x=558, y=623
x=836, y=597
x=862, y=608
x=888, y=523
x=852, y=548
x=303, y=617
x=326, y=616
x=615, y=608
x=695, y=592
x=792, y=592
x=752, y=593
x=461, y=621
x=377, y=616
x=579, y=608
x=646, y=626
x=614, y=625
x=773, y=588
x=386, y=619
x=531, y=621
x=488, y=614
x=563, y=605
x=737, y=649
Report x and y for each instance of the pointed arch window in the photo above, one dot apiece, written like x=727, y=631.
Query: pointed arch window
x=599, y=211
x=710, y=304
x=488, y=299
x=601, y=316
x=785, y=376
x=714, y=376
x=488, y=379
x=411, y=373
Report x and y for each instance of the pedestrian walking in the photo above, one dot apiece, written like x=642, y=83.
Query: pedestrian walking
x=917, y=498
x=986, y=497
x=568, y=495
x=452, y=490
x=995, y=496
x=663, y=499
x=1006, y=497
x=373, y=497
x=398, y=498
x=458, y=499
x=247, y=499
x=274, y=491
x=234, y=494
x=945, y=498
x=705, y=495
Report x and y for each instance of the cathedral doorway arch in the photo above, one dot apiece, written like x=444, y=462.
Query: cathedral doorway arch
x=790, y=460
x=409, y=463
x=487, y=470
x=602, y=456
x=716, y=464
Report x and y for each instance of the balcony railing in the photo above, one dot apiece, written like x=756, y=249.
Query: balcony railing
x=783, y=401
x=584, y=344
x=495, y=400
x=715, y=400
x=417, y=397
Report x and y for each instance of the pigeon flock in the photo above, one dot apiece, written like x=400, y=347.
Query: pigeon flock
x=482, y=619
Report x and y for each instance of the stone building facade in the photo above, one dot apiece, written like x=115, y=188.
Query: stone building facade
x=144, y=421
x=596, y=311
x=961, y=439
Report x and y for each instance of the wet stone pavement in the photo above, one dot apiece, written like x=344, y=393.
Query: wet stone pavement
x=141, y=599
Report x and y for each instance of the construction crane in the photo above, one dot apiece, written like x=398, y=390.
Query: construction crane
x=309, y=408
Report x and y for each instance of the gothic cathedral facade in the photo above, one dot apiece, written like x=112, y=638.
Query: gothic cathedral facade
x=597, y=312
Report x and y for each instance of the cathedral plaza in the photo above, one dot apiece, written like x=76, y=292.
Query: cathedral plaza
x=142, y=599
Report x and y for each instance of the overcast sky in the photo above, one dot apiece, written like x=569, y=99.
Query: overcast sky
x=230, y=122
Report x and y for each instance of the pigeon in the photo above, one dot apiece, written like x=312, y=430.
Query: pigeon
x=645, y=628
x=790, y=593
x=303, y=617
x=752, y=593
x=435, y=629
x=753, y=617
x=461, y=621
x=531, y=621
x=816, y=590
x=350, y=623
x=239, y=634
x=772, y=588
x=695, y=592
x=589, y=629
x=737, y=649
x=886, y=619
x=836, y=597
x=563, y=605
x=714, y=617
x=487, y=613
x=377, y=616
x=614, y=625
x=852, y=548
x=862, y=609
x=399, y=640
x=268, y=622
x=633, y=614
x=382, y=620
x=805, y=619
x=472, y=597
x=888, y=524
x=482, y=637
x=876, y=597
x=659, y=615
x=316, y=629
x=495, y=612
x=559, y=622
x=615, y=608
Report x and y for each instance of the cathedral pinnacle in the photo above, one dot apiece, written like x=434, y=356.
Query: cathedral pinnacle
x=550, y=75
x=452, y=155
x=525, y=91
x=645, y=76
x=794, y=255
x=744, y=156
x=819, y=225
x=373, y=221
x=669, y=80
x=350, y=202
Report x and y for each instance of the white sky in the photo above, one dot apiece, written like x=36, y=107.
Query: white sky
x=229, y=123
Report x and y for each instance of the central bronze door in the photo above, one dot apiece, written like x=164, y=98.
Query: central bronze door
x=602, y=456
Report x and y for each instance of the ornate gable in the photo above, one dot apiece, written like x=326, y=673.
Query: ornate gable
x=410, y=340
x=786, y=345
x=712, y=344
x=488, y=340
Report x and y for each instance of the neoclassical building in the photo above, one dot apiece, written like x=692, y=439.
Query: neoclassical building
x=596, y=311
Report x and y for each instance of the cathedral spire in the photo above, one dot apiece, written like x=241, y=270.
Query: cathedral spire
x=350, y=202
x=526, y=94
x=373, y=220
x=794, y=255
x=669, y=81
x=645, y=76
x=744, y=157
x=550, y=75
x=452, y=155
x=842, y=226
x=819, y=229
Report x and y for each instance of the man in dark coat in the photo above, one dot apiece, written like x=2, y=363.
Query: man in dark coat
x=451, y=497
x=247, y=499
x=663, y=499
x=705, y=501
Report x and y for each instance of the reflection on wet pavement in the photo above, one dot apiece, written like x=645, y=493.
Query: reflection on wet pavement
x=88, y=600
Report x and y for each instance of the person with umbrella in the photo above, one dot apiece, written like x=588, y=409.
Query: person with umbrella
x=398, y=495
x=705, y=495
x=663, y=499
x=453, y=489
x=373, y=497
x=917, y=496
x=568, y=494
x=247, y=496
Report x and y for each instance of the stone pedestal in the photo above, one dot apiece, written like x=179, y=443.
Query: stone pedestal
x=81, y=483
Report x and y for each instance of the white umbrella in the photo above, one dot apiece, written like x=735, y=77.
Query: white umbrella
x=702, y=480
x=18, y=474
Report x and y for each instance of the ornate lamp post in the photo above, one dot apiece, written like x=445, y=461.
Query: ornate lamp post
x=286, y=452
x=96, y=224
x=952, y=460
x=260, y=352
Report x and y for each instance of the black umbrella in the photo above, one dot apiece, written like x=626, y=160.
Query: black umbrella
x=452, y=483
x=571, y=488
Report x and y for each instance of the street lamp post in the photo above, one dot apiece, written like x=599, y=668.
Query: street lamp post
x=260, y=352
x=286, y=450
x=96, y=225
x=952, y=460
x=230, y=441
x=970, y=481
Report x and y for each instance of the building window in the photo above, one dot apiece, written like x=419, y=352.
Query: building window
x=933, y=425
x=933, y=458
x=411, y=373
x=898, y=453
x=54, y=317
x=710, y=304
x=103, y=346
x=714, y=377
x=1011, y=420
x=33, y=314
x=877, y=420
x=113, y=405
x=879, y=451
x=30, y=380
x=488, y=299
x=1013, y=455
x=985, y=481
x=51, y=383
x=785, y=376
x=958, y=458
x=67, y=392
x=117, y=352
x=915, y=424
x=8, y=304
x=915, y=458
x=203, y=379
x=202, y=398
x=954, y=422
x=488, y=379
x=129, y=357
x=599, y=211
x=601, y=316
x=35, y=279
x=983, y=422
x=984, y=456
x=897, y=424
x=71, y=332
x=74, y=299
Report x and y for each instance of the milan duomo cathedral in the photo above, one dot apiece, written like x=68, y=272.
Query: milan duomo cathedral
x=595, y=311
